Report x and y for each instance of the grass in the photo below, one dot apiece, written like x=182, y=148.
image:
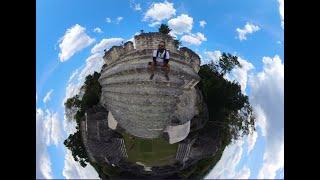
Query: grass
x=151, y=152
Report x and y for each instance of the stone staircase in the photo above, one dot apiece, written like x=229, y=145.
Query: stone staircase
x=144, y=107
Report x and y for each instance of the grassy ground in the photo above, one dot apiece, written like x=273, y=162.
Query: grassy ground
x=150, y=152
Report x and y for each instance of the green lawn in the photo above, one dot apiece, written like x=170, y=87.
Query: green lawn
x=150, y=152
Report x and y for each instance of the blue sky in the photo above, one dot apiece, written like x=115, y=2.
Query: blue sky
x=71, y=35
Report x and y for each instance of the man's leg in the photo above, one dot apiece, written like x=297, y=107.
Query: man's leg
x=151, y=67
x=166, y=69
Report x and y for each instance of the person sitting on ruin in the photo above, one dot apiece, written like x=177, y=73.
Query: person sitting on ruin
x=161, y=58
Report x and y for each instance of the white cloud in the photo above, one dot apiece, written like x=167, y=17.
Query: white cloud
x=69, y=127
x=51, y=128
x=74, y=40
x=93, y=63
x=73, y=170
x=273, y=161
x=154, y=24
x=43, y=163
x=193, y=39
x=226, y=167
x=261, y=119
x=213, y=56
x=137, y=7
x=244, y=173
x=44, y=166
x=249, y=28
x=106, y=44
x=72, y=89
x=119, y=19
x=159, y=11
x=202, y=23
x=181, y=24
x=240, y=75
x=281, y=11
x=74, y=73
x=267, y=96
x=251, y=140
x=97, y=30
x=108, y=20
x=47, y=96
x=278, y=42
x=56, y=131
x=48, y=132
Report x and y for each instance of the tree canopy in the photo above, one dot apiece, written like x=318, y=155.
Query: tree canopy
x=228, y=108
x=164, y=29
x=227, y=62
x=91, y=96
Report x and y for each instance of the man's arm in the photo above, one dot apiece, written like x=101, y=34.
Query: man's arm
x=154, y=56
x=167, y=58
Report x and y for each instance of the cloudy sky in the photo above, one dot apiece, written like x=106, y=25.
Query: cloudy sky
x=71, y=36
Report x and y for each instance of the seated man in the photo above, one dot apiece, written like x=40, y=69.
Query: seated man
x=160, y=58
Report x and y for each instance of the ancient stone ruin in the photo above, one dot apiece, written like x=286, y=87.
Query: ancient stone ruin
x=148, y=108
x=132, y=103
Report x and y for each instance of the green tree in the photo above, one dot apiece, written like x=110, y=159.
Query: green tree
x=177, y=43
x=73, y=102
x=75, y=145
x=91, y=96
x=227, y=62
x=228, y=108
x=164, y=29
x=92, y=91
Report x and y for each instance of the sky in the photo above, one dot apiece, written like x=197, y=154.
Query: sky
x=70, y=39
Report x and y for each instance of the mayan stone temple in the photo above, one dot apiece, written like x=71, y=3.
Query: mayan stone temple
x=132, y=105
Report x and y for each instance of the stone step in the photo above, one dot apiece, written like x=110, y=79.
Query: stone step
x=146, y=114
x=150, y=119
x=138, y=100
x=142, y=121
x=143, y=85
x=143, y=78
x=140, y=108
x=145, y=91
x=175, y=70
x=143, y=131
x=140, y=96
x=97, y=117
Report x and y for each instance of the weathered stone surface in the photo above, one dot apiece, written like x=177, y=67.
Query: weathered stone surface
x=102, y=144
x=134, y=104
x=112, y=123
x=178, y=133
x=144, y=107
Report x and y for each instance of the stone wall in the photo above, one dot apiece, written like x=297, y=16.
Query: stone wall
x=116, y=52
x=184, y=148
x=102, y=144
x=152, y=40
x=144, y=107
x=207, y=144
x=191, y=57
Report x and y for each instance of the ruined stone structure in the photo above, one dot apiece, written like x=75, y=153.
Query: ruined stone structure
x=149, y=108
x=132, y=103
x=102, y=144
